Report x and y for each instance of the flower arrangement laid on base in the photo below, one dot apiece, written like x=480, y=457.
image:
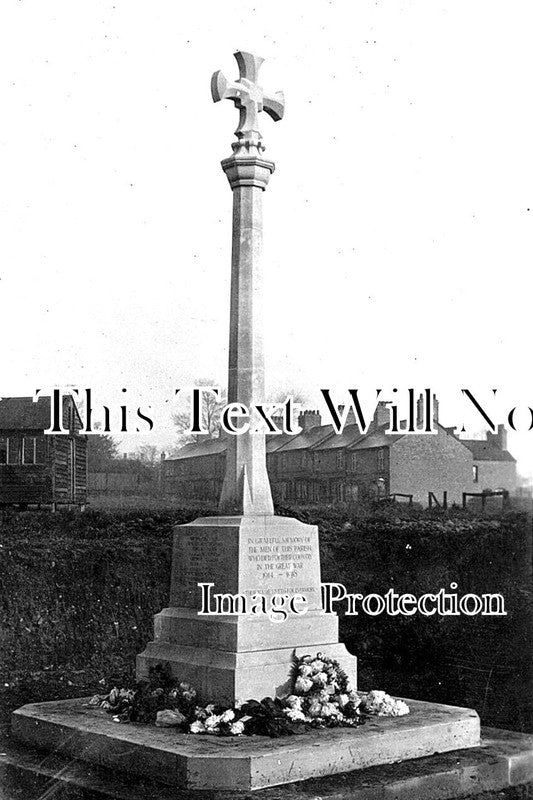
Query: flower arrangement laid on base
x=322, y=697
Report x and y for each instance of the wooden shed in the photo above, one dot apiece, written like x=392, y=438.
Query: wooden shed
x=37, y=468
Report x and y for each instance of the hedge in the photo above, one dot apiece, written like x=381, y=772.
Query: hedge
x=79, y=592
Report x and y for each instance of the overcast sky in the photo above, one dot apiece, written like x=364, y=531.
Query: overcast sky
x=397, y=226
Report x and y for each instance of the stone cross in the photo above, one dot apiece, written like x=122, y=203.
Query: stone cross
x=249, y=98
x=246, y=487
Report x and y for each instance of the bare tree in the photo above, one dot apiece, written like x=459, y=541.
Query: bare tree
x=210, y=417
x=149, y=454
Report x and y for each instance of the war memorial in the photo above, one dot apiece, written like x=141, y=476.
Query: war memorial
x=435, y=751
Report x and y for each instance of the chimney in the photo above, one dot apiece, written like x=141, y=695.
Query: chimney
x=350, y=417
x=502, y=437
x=420, y=407
x=278, y=422
x=309, y=420
x=498, y=439
x=435, y=409
x=381, y=414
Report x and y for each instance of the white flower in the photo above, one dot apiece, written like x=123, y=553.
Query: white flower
x=317, y=665
x=321, y=678
x=197, y=727
x=113, y=696
x=295, y=714
x=227, y=716
x=293, y=701
x=400, y=708
x=237, y=728
x=305, y=670
x=95, y=700
x=342, y=700
x=209, y=709
x=186, y=691
x=382, y=704
x=211, y=723
x=302, y=685
x=315, y=708
x=330, y=710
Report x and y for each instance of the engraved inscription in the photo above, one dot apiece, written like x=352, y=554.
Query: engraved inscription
x=279, y=556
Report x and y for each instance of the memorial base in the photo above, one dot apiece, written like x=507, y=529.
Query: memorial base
x=196, y=762
x=225, y=677
x=233, y=658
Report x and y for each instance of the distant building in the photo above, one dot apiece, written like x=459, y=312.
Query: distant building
x=197, y=471
x=493, y=465
x=322, y=467
x=122, y=477
x=38, y=468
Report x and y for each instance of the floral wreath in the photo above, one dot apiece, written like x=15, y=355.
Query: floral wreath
x=322, y=697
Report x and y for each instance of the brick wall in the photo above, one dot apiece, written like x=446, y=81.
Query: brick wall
x=496, y=475
x=431, y=463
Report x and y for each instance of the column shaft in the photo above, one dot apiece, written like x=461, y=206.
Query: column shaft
x=246, y=488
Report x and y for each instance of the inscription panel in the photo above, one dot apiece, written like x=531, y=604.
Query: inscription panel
x=281, y=563
x=203, y=555
x=278, y=557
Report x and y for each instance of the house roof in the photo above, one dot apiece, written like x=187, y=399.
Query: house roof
x=485, y=451
x=21, y=413
x=349, y=436
x=322, y=437
x=275, y=441
x=301, y=441
x=377, y=438
x=208, y=447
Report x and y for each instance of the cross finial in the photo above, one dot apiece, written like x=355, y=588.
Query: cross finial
x=249, y=98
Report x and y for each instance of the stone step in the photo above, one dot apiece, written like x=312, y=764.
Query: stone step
x=502, y=767
x=243, y=763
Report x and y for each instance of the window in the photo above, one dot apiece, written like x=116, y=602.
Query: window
x=10, y=449
x=301, y=490
x=29, y=450
x=381, y=460
x=338, y=491
x=353, y=461
x=352, y=492
x=340, y=459
x=475, y=473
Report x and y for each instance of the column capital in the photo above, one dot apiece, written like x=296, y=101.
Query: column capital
x=248, y=171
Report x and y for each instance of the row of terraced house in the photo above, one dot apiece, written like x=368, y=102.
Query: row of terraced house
x=318, y=465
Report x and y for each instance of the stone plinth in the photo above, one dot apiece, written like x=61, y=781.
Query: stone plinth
x=240, y=657
x=244, y=763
